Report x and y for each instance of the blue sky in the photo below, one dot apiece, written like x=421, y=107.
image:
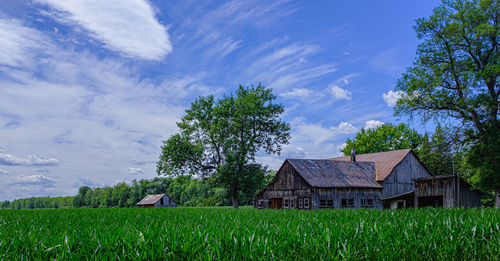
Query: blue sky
x=89, y=89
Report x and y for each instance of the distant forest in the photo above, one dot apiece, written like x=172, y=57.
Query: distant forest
x=185, y=191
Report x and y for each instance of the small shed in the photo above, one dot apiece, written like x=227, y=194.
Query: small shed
x=157, y=201
x=445, y=191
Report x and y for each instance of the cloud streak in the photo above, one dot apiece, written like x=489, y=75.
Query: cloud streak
x=129, y=27
x=11, y=160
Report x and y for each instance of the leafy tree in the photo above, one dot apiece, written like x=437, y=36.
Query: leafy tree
x=385, y=137
x=455, y=76
x=219, y=138
x=437, y=152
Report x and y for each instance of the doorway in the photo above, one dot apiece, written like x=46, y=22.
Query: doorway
x=430, y=201
x=276, y=203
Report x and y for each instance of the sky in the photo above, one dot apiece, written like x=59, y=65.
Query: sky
x=90, y=88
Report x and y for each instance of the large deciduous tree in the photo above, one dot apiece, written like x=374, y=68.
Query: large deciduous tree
x=220, y=138
x=385, y=137
x=455, y=74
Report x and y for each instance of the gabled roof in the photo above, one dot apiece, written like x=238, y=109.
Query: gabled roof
x=328, y=173
x=385, y=162
x=151, y=199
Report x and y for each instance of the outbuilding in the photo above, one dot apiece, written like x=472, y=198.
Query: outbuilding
x=392, y=179
x=157, y=201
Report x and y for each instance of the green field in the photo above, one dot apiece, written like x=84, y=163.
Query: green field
x=223, y=233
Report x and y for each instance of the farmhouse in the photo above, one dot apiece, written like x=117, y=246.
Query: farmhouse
x=157, y=201
x=393, y=179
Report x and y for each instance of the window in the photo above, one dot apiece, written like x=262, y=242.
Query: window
x=300, y=203
x=367, y=203
x=161, y=201
x=285, y=203
x=306, y=202
x=261, y=204
x=326, y=203
x=347, y=203
x=292, y=202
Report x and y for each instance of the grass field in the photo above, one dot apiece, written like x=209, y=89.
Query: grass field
x=222, y=233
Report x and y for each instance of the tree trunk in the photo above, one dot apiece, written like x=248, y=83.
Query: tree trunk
x=234, y=198
x=497, y=197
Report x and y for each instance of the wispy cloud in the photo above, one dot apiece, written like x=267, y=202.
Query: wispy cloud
x=4, y=172
x=129, y=27
x=38, y=180
x=297, y=93
x=392, y=97
x=11, y=160
x=135, y=171
x=19, y=44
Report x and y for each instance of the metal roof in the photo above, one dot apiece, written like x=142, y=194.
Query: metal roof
x=328, y=173
x=150, y=199
x=385, y=162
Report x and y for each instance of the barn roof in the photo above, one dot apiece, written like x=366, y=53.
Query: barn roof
x=385, y=162
x=328, y=173
x=151, y=199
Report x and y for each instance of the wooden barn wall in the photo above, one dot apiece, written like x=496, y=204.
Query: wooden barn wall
x=401, y=179
x=167, y=203
x=337, y=194
x=446, y=187
x=436, y=187
x=468, y=198
x=288, y=183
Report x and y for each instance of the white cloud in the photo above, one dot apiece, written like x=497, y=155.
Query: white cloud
x=17, y=43
x=135, y=171
x=129, y=27
x=297, y=93
x=345, y=128
x=4, y=172
x=39, y=180
x=11, y=160
x=42, y=170
x=340, y=93
x=372, y=124
x=392, y=97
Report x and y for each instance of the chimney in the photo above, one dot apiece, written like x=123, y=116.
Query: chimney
x=353, y=155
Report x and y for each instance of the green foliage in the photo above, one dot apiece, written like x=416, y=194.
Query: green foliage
x=385, y=137
x=437, y=152
x=455, y=76
x=38, y=202
x=249, y=234
x=220, y=138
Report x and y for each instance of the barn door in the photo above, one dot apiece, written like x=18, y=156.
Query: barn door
x=276, y=203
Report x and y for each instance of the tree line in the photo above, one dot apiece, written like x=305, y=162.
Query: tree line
x=184, y=190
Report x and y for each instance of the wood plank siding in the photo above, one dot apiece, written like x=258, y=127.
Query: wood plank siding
x=400, y=180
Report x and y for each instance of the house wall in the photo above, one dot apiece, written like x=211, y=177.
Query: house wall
x=401, y=178
x=337, y=194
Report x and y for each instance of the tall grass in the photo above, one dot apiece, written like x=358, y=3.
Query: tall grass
x=223, y=233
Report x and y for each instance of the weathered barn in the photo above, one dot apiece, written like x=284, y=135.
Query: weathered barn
x=157, y=201
x=395, y=171
x=445, y=191
x=312, y=184
x=374, y=180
